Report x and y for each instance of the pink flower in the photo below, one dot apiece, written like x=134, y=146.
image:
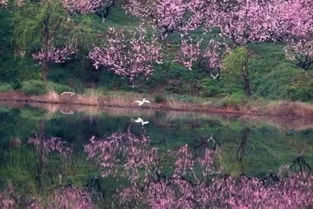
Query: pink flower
x=127, y=57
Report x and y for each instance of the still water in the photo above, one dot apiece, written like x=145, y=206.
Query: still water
x=58, y=157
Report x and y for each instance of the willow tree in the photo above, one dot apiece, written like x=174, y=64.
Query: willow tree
x=45, y=30
x=237, y=63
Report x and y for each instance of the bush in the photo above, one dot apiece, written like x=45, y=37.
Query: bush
x=38, y=87
x=160, y=99
x=5, y=87
x=274, y=85
x=211, y=88
x=35, y=87
x=59, y=88
x=301, y=89
x=233, y=99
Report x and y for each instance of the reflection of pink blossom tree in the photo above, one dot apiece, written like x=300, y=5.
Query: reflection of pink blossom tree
x=6, y=202
x=183, y=191
x=123, y=151
x=101, y=7
x=127, y=54
x=48, y=145
x=70, y=198
x=184, y=161
x=176, y=191
x=61, y=198
x=82, y=6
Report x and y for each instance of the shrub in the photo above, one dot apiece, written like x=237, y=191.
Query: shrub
x=160, y=99
x=210, y=87
x=5, y=87
x=233, y=99
x=38, y=87
x=35, y=87
x=59, y=88
x=301, y=89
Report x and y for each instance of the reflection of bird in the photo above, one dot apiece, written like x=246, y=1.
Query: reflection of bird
x=214, y=76
x=211, y=139
x=68, y=94
x=67, y=112
x=142, y=102
x=140, y=120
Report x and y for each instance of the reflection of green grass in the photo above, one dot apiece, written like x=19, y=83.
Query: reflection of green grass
x=266, y=150
x=17, y=167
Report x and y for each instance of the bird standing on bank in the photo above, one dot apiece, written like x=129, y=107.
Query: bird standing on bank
x=141, y=102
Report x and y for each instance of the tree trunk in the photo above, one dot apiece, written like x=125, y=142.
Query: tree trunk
x=45, y=66
x=246, y=80
x=45, y=70
x=41, y=135
x=242, y=148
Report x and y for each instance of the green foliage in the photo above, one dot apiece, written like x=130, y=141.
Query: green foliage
x=236, y=60
x=275, y=84
x=160, y=98
x=59, y=88
x=233, y=99
x=214, y=88
x=5, y=87
x=38, y=87
x=35, y=87
x=34, y=18
x=301, y=88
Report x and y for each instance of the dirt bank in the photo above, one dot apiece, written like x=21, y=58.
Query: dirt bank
x=282, y=109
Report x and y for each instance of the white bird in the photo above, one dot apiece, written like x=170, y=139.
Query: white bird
x=140, y=120
x=214, y=76
x=139, y=102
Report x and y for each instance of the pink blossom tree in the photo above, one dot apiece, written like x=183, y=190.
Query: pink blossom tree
x=258, y=21
x=207, y=56
x=3, y=3
x=301, y=52
x=189, y=53
x=277, y=20
x=170, y=16
x=127, y=53
x=59, y=55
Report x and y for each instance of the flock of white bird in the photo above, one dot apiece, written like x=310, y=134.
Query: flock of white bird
x=139, y=119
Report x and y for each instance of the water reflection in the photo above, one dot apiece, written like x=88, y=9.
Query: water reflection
x=104, y=161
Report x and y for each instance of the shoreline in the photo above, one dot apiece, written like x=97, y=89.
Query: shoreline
x=280, y=109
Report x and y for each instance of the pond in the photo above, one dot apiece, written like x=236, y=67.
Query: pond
x=86, y=157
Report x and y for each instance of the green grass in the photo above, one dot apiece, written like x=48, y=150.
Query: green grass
x=38, y=87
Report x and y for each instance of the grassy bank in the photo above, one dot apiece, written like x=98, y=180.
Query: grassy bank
x=229, y=105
